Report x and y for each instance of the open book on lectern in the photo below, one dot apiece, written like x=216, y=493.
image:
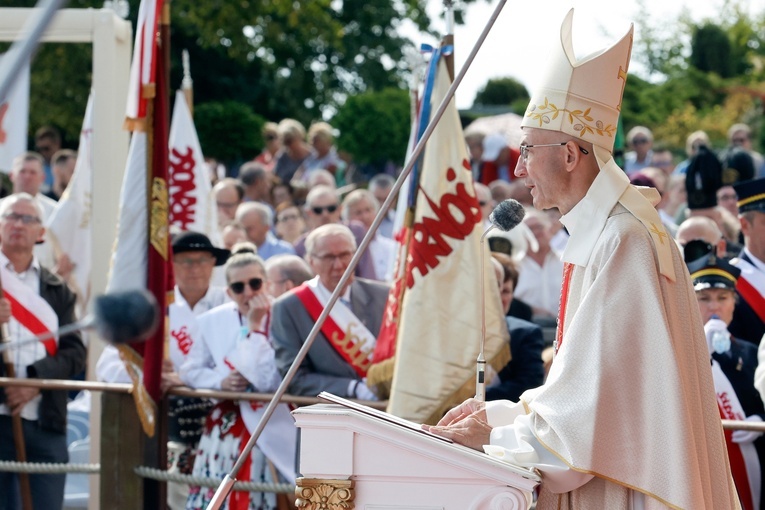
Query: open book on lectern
x=382, y=415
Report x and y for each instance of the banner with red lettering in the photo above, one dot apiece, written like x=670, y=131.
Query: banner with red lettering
x=68, y=227
x=439, y=327
x=14, y=115
x=191, y=204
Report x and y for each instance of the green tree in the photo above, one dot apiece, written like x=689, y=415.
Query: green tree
x=502, y=92
x=228, y=131
x=711, y=50
x=374, y=127
x=284, y=58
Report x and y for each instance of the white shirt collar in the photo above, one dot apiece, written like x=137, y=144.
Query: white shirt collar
x=35, y=265
x=759, y=264
x=587, y=219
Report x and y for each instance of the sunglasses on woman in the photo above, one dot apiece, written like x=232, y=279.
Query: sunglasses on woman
x=238, y=287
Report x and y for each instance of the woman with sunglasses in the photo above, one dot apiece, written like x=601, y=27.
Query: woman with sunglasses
x=234, y=353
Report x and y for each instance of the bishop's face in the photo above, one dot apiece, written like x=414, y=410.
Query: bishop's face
x=542, y=168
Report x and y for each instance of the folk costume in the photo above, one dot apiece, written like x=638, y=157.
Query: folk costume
x=225, y=343
x=627, y=417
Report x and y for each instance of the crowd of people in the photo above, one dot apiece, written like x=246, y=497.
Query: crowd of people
x=291, y=220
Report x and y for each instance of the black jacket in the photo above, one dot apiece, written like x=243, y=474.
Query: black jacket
x=526, y=368
x=69, y=361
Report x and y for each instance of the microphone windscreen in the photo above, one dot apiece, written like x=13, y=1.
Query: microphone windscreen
x=126, y=317
x=507, y=215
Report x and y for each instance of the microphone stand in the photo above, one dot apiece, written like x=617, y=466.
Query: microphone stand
x=87, y=322
x=480, y=369
x=224, y=489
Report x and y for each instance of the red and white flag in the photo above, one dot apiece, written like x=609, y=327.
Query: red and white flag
x=68, y=226
x=14, y=118
x=141, y=257
x=191, y=205
x=439, y=325
x=143, y=69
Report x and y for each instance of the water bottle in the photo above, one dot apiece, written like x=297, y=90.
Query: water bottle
x=720, y=337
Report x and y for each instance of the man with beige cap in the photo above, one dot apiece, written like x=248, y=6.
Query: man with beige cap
x=627, y=417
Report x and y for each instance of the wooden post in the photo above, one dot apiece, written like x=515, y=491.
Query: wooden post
x=122, y=445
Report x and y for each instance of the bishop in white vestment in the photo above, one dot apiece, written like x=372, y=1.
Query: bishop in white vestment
x=627, y=418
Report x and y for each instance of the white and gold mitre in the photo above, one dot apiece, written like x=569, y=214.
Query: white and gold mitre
x=582, y=98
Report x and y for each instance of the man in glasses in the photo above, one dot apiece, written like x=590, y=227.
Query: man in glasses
x=339, y=358
x=28, y=176
x=627, y=416
x=322, y=207
x=35, y=298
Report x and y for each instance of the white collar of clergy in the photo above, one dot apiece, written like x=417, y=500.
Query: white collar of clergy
x=587, y=219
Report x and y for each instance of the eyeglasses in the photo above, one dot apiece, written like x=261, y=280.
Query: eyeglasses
x=329, y=208
x=26, y=219
x=238, y=287
x=525, y=148
x=343, y=257
x=191, y=262
x=640, y=141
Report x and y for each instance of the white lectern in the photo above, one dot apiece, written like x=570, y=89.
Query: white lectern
x=349, y=459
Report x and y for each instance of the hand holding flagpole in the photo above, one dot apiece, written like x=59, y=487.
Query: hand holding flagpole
x=18, y=430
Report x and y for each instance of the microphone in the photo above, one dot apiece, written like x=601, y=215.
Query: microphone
x=119, y=318
x=505, y=216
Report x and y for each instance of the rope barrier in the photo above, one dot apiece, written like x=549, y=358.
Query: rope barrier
x=47, y=468
x=164, y=476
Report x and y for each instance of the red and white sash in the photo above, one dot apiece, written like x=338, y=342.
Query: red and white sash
x=344, y=331
x=30, y=315
x=751, y=286
x=744, y=463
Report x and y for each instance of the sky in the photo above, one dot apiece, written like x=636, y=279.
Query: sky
x=527, y=29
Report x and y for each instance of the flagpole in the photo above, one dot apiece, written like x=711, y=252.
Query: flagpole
x=448, y=39
x=228, y=482
x=21, y=51
x=187, y=84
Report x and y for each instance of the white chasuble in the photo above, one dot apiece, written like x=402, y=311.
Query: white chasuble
x=629, y=406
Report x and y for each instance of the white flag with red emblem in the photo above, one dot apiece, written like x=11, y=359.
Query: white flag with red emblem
x=191, y=205
x=69, y=223
x=439, y=327
x=14, y=118
x=142, y=69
